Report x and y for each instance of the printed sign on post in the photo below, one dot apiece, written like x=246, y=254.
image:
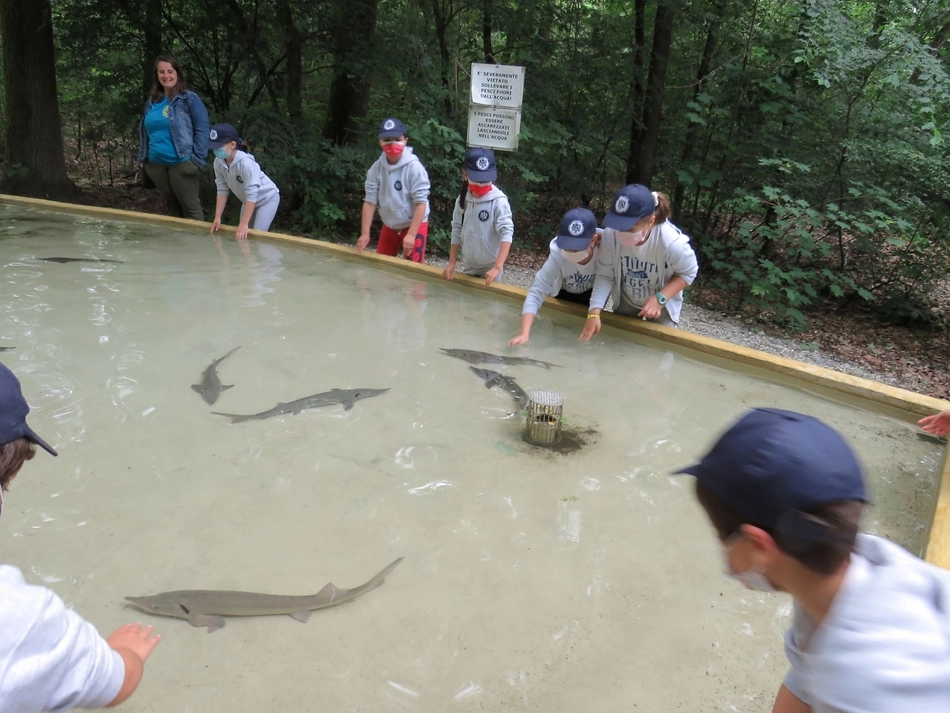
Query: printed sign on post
x=493, y=128
x=497, y=85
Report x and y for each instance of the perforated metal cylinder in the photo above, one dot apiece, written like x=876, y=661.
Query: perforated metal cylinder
x=543, y=426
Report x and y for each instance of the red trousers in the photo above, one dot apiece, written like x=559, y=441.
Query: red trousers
x=390, y=243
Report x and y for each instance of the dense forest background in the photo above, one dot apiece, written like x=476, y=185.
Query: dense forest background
x=802, y=142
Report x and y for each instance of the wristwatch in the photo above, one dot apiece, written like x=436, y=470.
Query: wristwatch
x=661, y=298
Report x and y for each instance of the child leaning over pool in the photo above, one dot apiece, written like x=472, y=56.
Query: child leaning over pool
x=236, y=171
x=871, y=622
x=569, y=271
x=482, y=227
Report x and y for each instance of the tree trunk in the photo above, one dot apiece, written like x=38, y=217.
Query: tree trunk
x=442, y=18
x=35, y=161
x=349, y=88
x=692, y=129
x=294, y=49
x=153, y=40
x=642, y=162
x=487, y=7
x=636, y=89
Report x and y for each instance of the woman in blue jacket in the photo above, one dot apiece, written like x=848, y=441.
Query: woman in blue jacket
x=174, y=139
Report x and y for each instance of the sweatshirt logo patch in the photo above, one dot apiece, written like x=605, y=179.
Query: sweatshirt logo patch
x=398, y=185
x=483, y=215
x=240, y=180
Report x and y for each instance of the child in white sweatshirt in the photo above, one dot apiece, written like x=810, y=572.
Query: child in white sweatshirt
x=569, y=271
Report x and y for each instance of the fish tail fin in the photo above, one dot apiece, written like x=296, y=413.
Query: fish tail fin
x=235, y=417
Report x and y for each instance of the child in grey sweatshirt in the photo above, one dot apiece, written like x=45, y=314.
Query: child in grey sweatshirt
x=482, y=227
x=399, y=184
x=237, y=172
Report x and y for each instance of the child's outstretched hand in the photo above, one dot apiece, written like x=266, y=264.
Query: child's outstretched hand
x=136, y=638
x=520, y=339
x=937, y=424
x=449, y=272
x=215, y=225
x=491, y=275
x=361, y=243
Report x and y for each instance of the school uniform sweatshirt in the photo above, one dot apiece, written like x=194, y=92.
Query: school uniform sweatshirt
x=557, y=273
x=485, y=224
x=397, y=188
x=51, y=659
x=884, y=647
x=245, y=178
x=632, y=275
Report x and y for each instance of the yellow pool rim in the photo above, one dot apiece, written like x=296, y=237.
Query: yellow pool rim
x=899, y=402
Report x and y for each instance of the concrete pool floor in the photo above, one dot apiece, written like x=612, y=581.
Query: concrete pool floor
x=548, y=666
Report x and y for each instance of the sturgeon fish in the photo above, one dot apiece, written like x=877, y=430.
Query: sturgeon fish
x=64, y=260
x=473, y=357
x=346, y=397
x=211, y=387
x=493, y=378
x=208, y=607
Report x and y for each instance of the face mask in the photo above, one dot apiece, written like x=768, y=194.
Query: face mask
x=221, y=153
x=576, y=257
x=631, y=240
x=754, y=579
x=479, y=191
x=394, y=149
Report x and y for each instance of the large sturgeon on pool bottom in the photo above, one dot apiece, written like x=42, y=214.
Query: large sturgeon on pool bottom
x=346, y=397
x=208, y=607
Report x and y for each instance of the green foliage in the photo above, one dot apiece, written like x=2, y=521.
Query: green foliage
x=808, y=163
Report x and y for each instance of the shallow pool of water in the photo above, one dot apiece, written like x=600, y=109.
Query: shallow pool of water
x=531, y=580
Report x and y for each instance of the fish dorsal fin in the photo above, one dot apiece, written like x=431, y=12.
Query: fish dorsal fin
x=329, y=593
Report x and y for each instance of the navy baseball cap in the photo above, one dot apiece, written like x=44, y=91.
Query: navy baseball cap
x=13, y=411
x=577, y=228
x=630, y=204
x=773, y=465
x=222, y=134
x=479, y=164
x=391, y=128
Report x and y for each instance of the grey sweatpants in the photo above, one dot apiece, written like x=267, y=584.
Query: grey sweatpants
x=263, y=214
x=178, y=184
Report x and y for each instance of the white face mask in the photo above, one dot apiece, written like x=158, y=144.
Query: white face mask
x=576, y=257
x=754, y=579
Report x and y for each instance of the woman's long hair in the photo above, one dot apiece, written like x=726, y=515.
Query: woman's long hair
x=158, y=91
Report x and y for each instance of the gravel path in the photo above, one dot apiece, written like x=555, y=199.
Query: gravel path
x=712, y=324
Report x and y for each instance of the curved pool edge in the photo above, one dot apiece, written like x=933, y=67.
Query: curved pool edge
x=907, y=404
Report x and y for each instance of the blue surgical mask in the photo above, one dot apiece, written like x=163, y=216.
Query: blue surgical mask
x=221, y=153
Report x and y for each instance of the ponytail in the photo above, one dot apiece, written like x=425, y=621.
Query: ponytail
x=462, y=196
x=662, y=210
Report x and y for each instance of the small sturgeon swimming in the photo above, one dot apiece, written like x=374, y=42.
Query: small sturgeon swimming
x=346, y=397
x=211, y=387
x=473, y=357
x=64, y=260
x=208, y=607
x=493, y=378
